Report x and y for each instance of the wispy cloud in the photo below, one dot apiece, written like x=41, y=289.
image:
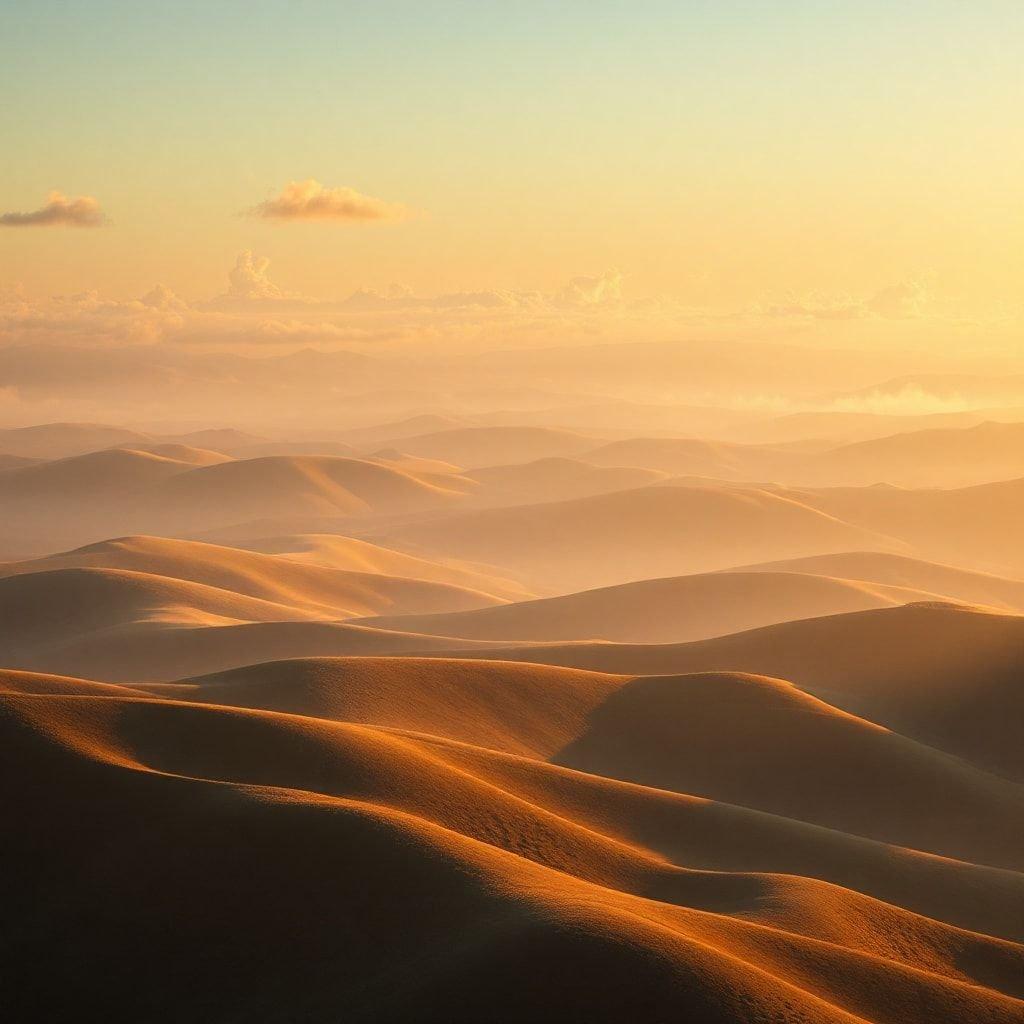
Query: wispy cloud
x=309, y=200
x=59, y=209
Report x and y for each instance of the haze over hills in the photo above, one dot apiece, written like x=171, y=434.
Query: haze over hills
x=475, y=447
x=949, y=457
x=697, y=457
x=663, y=611
x=967, y=389
x=343, y=593
x=188, y=491
x=974, y=526
x=557, y=479
x=588, y=700
x=337, y=552
x=842, y=426
x=955, y=584
x=637, y=534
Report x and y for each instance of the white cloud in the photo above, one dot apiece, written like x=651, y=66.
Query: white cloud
x=248, y=279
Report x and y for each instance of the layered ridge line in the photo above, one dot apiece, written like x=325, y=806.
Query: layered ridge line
x=399, y=838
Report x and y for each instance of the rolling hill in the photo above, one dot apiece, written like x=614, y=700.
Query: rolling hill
x=358, y=810
x=637, y=534
x=671, y=610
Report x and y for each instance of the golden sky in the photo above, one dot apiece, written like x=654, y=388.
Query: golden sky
x=724, y=154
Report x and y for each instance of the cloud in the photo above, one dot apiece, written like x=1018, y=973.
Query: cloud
x=591, y=291
x=80, y=212
x=910, y=400
x=248, y=279
x=309, y=200
x=900, y=301
x=399, y=297
x=906, y=300
x=161, y=297
x=816, y=306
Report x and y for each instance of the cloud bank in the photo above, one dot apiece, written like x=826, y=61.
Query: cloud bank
x=309, y=200
x=905, y=300
x=59, y=209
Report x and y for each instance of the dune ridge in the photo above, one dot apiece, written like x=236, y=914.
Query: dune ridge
x=321, y=589
x=510, y=722
x=672, y=610
x=531, y=864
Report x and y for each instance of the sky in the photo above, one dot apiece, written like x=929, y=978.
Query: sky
x=802, y=155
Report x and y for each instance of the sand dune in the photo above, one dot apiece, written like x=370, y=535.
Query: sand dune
x=156, y=652
x=788, y=791
x=266, y=449
x=342, y=593
x=188, y=491
x=944, y=456
x=697, y=457
x=944, y=674
x=476, y=447
x=149, y=607
x=662, y=611
x=637, y=534
x=927, y=458
x=414, y=463
x=688, y=831
x=556, y=479
x=44, y=611
x=851, y=426
x=414, y=426
x=338, y=552
x=224, y=439
x=16, y=462
x=973, y=526
x=954, y=584
x=744, y=739
x=98, y=475
x=512, y=514
x=184, y=453
x=63, y=440
x=241, y=490
x=623, y=417
x=529, y=865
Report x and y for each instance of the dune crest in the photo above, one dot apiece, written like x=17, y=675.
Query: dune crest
x=528, y=863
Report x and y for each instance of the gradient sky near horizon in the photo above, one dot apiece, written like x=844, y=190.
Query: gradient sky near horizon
x=714, y=150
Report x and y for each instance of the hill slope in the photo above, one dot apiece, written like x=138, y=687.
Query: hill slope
x=662, y=611
x=638, y=534
x=402, y=840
